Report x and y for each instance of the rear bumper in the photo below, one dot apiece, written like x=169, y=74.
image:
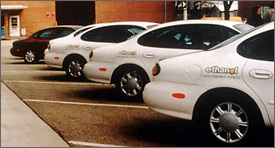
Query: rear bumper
x=167, y=98
x=54, y=60
x=99, y=71
x=15, y=52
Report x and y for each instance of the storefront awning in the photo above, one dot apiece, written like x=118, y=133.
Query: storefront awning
x=13, y=7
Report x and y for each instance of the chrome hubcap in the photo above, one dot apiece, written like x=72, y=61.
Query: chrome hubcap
x=29, y=56
x=75, y=69
x=229, y=122
x=131, y=84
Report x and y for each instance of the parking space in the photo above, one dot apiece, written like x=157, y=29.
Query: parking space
x=88, y=114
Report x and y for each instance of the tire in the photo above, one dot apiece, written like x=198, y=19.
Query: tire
x=30, y=57
x=231, y=120
x=130, y=82
x=74, y=67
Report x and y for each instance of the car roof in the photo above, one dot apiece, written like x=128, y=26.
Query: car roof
x=136, y=23
x=198, y=21
x=66, y=26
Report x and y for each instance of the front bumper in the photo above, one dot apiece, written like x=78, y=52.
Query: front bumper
x=158, y=95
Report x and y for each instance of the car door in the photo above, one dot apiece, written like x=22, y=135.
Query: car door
x=178, y=40
x=258, y=72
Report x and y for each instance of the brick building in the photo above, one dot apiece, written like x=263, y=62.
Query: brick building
x=22, y=18
x=19, y=18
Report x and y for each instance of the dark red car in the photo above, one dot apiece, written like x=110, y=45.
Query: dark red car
x=32, y=48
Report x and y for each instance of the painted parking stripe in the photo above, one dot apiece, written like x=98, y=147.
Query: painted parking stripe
x=87, y=104
x=93, y=144
x=62, y=83
x=49, y=71
x=27, y=65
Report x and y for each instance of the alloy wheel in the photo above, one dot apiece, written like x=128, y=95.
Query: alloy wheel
x=30, y=56
x=131, y=84
x=75, y=69
x=229, y=122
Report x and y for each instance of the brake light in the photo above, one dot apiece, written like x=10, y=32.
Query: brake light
x=156, y=70
x=49, y=46
x=91, y=54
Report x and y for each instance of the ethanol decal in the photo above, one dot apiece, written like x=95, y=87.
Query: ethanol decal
x=221, y=70
x=127, y=53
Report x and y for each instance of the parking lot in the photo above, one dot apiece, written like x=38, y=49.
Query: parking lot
x=84, y=113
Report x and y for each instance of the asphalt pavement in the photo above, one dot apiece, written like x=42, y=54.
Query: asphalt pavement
x=20, y=126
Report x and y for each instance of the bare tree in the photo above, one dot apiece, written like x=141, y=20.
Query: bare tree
x=227, y=5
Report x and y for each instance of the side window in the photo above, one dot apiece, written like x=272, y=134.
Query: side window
x=64, y=31
x=212, y=35
x=112, y=34
x=228, y=33
x=259, y=47
x=181, y=36
x=46, y=34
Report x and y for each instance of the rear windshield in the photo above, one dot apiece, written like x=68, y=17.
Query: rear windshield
x=234, y=38
x=243, y=27
x=82, y=30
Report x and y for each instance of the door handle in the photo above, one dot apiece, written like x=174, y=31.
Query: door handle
x=87, y=48
x=260, y=74
x=148, y=55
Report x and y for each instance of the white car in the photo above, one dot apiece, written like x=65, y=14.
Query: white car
x=229, y=89
x=72, y=52
x=128, y=65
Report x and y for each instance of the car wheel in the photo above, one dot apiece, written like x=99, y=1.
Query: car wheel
x=74, y=68
x=230, y=121
x=30, y=57
x=131, y=82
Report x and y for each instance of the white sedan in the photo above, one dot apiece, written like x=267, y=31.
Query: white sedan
x=72, y=52
x=229, y=89
x=128, y=65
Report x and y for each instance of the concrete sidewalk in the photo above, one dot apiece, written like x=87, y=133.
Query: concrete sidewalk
x=21, y=127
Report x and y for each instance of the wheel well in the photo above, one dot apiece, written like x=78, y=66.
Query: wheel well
x=125, y=66
x=211, y=96
x=71, y=56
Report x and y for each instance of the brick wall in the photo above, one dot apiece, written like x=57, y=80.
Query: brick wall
x=37, y=16
x=111, y=11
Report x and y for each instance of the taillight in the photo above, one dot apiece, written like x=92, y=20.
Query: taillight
x=156, y=70
x=91, y=54
x=49, y=46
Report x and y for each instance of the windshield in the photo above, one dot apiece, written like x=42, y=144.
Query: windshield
x=243, y=27
x=234, y=38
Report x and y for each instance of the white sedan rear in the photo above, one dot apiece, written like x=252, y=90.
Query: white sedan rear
x=229, y=89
